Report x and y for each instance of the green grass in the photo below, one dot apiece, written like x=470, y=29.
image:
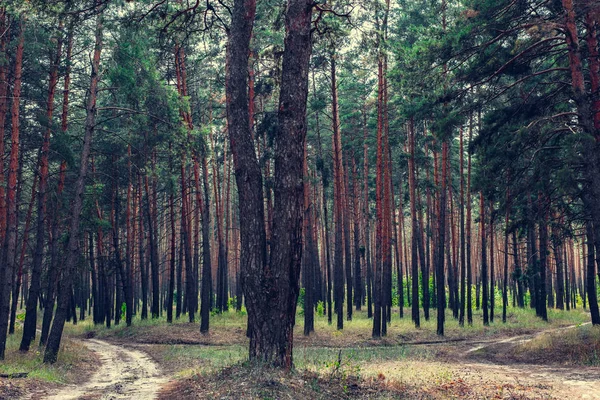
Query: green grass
x=71, y=355
x=518, y=320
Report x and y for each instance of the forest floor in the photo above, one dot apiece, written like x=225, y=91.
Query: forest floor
x=525, y=358
x=24, y=375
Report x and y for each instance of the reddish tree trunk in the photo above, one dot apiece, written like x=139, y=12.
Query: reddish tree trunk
x=36, y=268
x=338, y=210
x=15, y=296
x=10, y=241
x=3, y=111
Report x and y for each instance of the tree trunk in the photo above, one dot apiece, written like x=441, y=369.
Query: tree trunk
x=55, y=336
x=15, y=296
x=439, y=267
x=271, y=288
x=205, y=304
x=463, y=271
x=10, y=241
x=591, y=275
x=415, y=228
x=484, y=265
x=338, y=201
x=4, y=90
x=468, y=233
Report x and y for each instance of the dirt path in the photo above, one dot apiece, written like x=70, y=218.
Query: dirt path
x=559, y=382
x=123, y=374
x=518, y=339
x=563, y=382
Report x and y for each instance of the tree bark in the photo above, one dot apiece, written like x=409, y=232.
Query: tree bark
x=271, y=287
x=10, y=241
x=55, y=336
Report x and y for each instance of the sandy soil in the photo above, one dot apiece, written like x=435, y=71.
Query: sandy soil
x=563, y=382
x=128, y=373
x=123, y=374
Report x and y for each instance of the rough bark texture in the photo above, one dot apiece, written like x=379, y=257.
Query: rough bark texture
x=36, y=267
x=10, y=241
x=484, y=265
x=415, y=229
x=338, y=201
x=72, y=255
x=206, y=262
x=271, y=288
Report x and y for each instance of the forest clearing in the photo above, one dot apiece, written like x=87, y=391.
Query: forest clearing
x=273, y=199
x=519, y=360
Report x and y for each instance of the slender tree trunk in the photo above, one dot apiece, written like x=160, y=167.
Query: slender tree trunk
x=10, y=242
x=505, y=277
x=55, y=336
x=484, y=265
x=378, y=318
x=15, y=296
x=468, y=233
x=366, y=212
x=205, y=303
x=492, y=264
x=36, y=268
x=308, y=255
x=338, y=209
x=415, y=228
x=4, y=90
x=463, y=271
x=439, y=273
x=128, y=248
x=543, y=265
x=141, y=249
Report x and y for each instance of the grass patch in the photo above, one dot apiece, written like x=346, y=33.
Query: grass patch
x=71, y=357
x=75, y=362
x=576, y=346
x=229, y=328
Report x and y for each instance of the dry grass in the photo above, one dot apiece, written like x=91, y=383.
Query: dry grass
x=229, y=328
x=576, y=346
x=74, y=363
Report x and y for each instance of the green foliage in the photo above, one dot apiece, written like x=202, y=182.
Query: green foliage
x=321, y=308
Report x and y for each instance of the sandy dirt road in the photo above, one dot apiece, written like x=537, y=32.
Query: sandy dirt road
x=123, y=373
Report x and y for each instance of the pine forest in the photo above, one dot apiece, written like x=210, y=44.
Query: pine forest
x=299, y=199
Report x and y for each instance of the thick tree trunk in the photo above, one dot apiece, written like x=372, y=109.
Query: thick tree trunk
x=271, y=288
x=591, y=275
